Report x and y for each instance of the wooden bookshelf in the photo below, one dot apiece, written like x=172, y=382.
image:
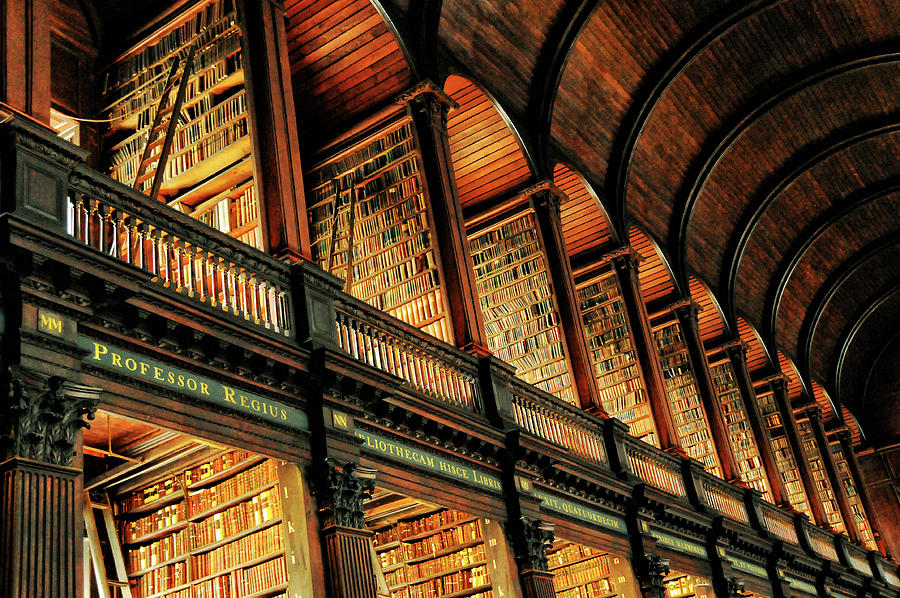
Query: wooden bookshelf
x=220, y=536
x=685, y=404
x=439, y=555
x=820, y=476
x=680, y=585
x=860, y=517
x=795, y=492
x=616, y=367
x=208, y=172
x=521, y=321
x=370, y=225
x=740, y=435
x=580, y=571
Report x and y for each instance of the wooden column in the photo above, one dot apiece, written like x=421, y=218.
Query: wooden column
x=25, y=56
x=737, y=354
x=545, y=200
x=650, y=572
x=843, y=437
x=789, y=423
x=686, y=313
x=273, y=127
x=40, y=506
x=626, y=268
x=814, y=415
x=429, y=106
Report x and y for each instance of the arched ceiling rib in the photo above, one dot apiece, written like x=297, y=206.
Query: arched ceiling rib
x=758, y=361
x=710, y=320
x=585, y=224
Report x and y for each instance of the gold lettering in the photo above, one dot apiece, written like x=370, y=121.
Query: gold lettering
x=229, y=394
x=284, y=414
x=131, y=364
x=116, y=360
x=204, y=388
x=157, y=374
x=191, y=384
x=51, y=324
x=254, y=404
x=340, y=420
x=181, y=380
x=244, y=402
x=144, y=367
x=99, y=350
x=171, y=378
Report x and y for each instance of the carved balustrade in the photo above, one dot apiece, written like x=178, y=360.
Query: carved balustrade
x=778, y=523
x=655, y=467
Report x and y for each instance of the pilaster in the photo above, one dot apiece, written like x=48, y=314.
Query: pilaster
x=25, y=56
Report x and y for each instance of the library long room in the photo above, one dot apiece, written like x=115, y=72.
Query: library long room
x=449, y=299
x=168, y=515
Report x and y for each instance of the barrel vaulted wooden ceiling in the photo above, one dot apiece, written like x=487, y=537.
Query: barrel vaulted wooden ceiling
x=750, y=150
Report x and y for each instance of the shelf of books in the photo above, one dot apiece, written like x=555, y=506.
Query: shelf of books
x=208, y=172
x=860, y=518
x=820, y=476
x=681, y=585
x=213, y=530
x=370, y=225
x=580, y=571
x=688, y=415
x=520, y=317
x=740, y=435
x=795, y=493
x=441, y=554
x=613, y=356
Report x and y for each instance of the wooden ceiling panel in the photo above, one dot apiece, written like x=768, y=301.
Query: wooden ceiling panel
x=654, y=277
x=860, y=227
x=488, y=160
x=759, y=160
x=584, y=221
x=795, y=386
x=873, y=275
x=856, y=435
x=345, y=61
x=839, y=181
x=504, y=47
x=711, y=323
x=823, y=400
x=726, y=76
x=757, y=358
x=619, y=45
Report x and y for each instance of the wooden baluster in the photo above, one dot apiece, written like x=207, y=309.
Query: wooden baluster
x=175, y=263
x=232, y=288
x=123, y=233
x=162, y=256
x=262, y=293
x=199, y=278
x=245, y=298
x=187, y=268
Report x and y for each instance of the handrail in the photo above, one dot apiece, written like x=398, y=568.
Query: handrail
x=423, y=363
x=652, y=465
x=180, y=253
x=821, y=541
x=856, y=558
x=719, y=495
x=550, y=418
x=778, y=523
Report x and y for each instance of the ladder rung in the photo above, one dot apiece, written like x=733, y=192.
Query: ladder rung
x=113, y=583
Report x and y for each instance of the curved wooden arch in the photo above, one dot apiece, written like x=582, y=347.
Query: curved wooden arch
x=697, y=287
x=830, y=288
x=803, y=161
x=744, y=119
x=580, y=183
x=856, y=323
x=799, y=381
x=658, y=80
x=745, y=329
x=807, y=238
x=635, y=230
x=510, y=128
x=548, y=72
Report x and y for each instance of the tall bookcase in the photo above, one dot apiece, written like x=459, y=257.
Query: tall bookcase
x=521, y=321
x=580, y=571
x=782, y=453
x=681, y=585
x=860, y=517
x=370, y=225
x=439, y=555
x=817, y=469
x=616, y=367
x=209, y=170
x=213, y=531
x=740, y=435
x=688, y=415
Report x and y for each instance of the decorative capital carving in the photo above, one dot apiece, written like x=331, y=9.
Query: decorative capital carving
x=651, y=572
x=41, y=424
x=843, y=436
x=813, y=413
x=735, y=348
x=735, y=587
x=545, y=195
x=341, y=493
x=427, y=95
x=536, y=537
x=685, y=309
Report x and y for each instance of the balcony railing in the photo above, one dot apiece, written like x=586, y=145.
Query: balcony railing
x=778, y=523
x=423, y=363
x=719, y=495
x=550, y=418
x=180, y=253
x=821, y=541
x=655, y=467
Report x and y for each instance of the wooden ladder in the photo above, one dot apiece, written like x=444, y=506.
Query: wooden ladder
x=107, y=587
x=165, y=121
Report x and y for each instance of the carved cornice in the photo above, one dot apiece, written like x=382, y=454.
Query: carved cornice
x=42, y=141
x=41, y=423
x=535, y=537
x=652, y=569
x=428, y=88
x=341, y=492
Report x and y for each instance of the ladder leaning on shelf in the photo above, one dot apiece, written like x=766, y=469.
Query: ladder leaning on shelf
x=106, y=587
x=162, y=131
